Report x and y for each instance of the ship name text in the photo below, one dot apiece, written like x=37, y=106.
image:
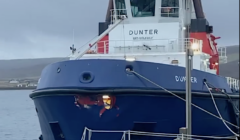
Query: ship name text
x=137, y=34
x=183, y=79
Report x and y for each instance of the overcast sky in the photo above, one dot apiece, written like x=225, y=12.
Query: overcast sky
x=43, y=28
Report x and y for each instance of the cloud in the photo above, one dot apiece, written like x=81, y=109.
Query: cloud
x=224, y=16
x=43, y=28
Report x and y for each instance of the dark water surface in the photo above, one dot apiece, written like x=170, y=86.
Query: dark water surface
x=18, y=118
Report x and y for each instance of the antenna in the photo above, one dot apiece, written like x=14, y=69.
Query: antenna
x=72, y=48
x=73, y=37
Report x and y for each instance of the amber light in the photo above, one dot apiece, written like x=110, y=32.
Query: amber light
x=105, y=97
x=107, y=101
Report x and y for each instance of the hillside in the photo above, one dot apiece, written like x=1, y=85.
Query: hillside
x=24, y=68
x=31, y=68
x=231, y=69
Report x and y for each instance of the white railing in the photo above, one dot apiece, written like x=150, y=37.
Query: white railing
x=87, y=47
x=233, y=83
x=146, y=46
x=169, y=11
x=116, y=14
x=222, y=51
x=126, y=135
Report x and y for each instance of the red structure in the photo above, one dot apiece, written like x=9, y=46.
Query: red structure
x=209, y=47
x=103, y=44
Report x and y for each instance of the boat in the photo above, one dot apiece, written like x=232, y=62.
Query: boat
x=130, y=81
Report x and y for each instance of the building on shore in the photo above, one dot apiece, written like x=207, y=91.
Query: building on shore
x=23, y=83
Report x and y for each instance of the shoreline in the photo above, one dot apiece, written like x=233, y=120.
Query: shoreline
x=17, y=88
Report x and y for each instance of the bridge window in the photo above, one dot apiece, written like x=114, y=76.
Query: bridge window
x=143, y=8
x=170, y=8
x=120, y=7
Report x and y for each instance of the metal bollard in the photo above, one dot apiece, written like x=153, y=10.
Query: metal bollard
x=183, y=131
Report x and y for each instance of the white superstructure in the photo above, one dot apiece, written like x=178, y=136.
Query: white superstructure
x=152, y=31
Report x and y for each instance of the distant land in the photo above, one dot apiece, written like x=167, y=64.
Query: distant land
x=231, y=68
x=31, y=68
x=24, y=68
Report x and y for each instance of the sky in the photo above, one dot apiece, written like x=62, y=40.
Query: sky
x=44, y=28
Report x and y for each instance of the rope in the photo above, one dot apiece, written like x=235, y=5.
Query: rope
x=219, y=112
x=226, y=95
x=181, y=98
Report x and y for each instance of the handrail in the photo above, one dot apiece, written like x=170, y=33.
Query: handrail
x=116, y=14
x=222, y=52
x=129, y=133
x=169, y=11
x=153, y=45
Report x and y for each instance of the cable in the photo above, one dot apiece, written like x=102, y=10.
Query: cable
x=219, y=112
x=180, y=97
x=224, y=94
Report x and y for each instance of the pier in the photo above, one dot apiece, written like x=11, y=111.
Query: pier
x=18, y=84
x=17, y=88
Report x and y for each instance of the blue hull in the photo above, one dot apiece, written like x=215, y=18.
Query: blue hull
x=65, y=98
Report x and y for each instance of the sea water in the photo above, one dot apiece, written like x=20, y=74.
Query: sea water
x=18, y=118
